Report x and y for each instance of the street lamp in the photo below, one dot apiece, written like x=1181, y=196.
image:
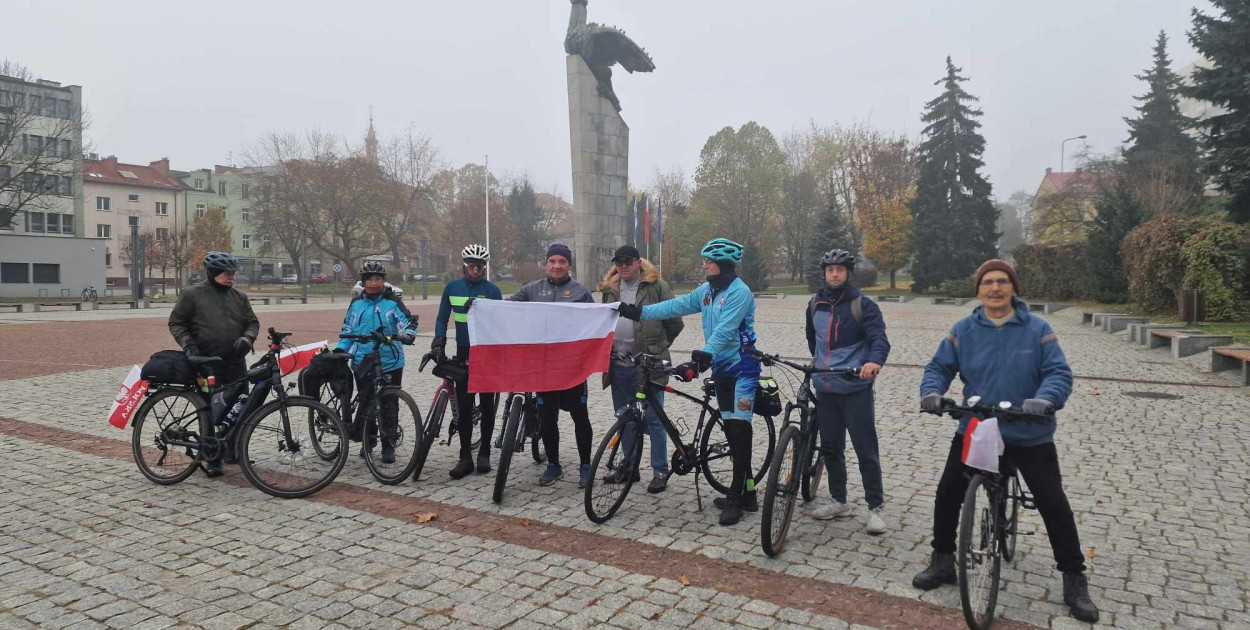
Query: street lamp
x=1062, y=147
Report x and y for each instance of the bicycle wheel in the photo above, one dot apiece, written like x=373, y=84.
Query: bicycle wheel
x=611, y=477
x=979, y=560
x=1011, y=522
x=429, y=433
x=477, y=429
x=512, y=425
x=407, y=439
x=168, y=415
x=785, y=475
x=283, y=467
x=815, y=470
x=325, y=441
x=714, y=452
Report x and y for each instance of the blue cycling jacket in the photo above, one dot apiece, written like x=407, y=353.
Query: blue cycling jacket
x=364, y=315
x=728, y=324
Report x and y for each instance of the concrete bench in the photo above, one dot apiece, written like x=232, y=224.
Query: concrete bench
x=1184, y=344
x=1047, y=308
x=1116, y=323
x=1087, y=317
x=1229, y=358
x=1139, y=333
x=900, y=299
x=267, y=301
x=771, y=296
x=949, y=301
x=17, y=307
x=39, y=305
x=1096, y=318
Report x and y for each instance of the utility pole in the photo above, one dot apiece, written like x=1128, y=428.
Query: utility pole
x=487, y=169
x=425, y=261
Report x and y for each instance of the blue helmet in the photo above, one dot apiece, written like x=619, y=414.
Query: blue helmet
x=722, y=249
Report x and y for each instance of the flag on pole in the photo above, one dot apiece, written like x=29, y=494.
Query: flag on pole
x=128, y=398
x=646, y=220
x=635, y=222
x=659, y=223
x=537, y=346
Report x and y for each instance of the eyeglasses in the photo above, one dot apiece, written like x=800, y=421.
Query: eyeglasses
x=475, y=266
x=624, y=263
x=989, y=282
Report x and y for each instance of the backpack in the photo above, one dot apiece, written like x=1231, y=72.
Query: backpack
x=857, y=309
x=168, y=367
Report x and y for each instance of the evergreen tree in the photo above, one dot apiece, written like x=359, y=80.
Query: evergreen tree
x=527, y=216
x=832, y=231
x=753, y=270
x=1159, y=149
x=1222, y=40
x=955, y=218
x=1118, y=212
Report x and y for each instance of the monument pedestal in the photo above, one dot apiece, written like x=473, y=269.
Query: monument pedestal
x=599, y=141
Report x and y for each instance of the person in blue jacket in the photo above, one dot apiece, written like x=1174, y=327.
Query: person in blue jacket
x=378, y=307
x=1003, y=353
x=455, y=305
x=728, y=309
x=845, y=330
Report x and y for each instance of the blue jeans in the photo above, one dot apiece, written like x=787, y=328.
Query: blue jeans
x=624, y=386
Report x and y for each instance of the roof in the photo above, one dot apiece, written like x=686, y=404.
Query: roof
x=1074, y=182
x=110, y=171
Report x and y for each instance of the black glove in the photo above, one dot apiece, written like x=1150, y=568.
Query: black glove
x=406, y=337
x=686, y=372
x=192, y=351
x=1039, y=406
x=438, y=346
x=703, y=359
x=629, y=311
x=933, y=403
x=243, y=346
x=340, y=351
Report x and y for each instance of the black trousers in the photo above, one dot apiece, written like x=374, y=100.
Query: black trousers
x=549, y=406
x=389, y=407
x=1039, y=467
x=837, y=415
x=464, y=402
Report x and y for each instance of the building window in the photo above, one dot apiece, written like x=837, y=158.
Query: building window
x=14, y=273
x=5, y=171
x=199, y=184
x=47, y=273
x=247, y=241
x=34, y=222
x=103, y=230
x=53, y=223
x=221, y=189
x=246, y=192
x=133, y=198
x=162, y=208
x=162, y=234
x=314, y=268
x=199, y=211
x=66, y=149
x=63, y=109
x=67, y=224
x=245, y=215
x=108, y=257
x=102, y=203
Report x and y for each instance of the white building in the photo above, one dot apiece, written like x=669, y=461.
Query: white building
x=119, y=196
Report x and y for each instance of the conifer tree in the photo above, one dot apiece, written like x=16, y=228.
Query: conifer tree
x=1161, y=157
x=1222, y=40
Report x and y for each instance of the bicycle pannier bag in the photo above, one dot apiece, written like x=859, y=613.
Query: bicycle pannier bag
x=169, y=367
x=768, y=398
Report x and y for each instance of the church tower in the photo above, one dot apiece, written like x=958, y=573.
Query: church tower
x=371, y=141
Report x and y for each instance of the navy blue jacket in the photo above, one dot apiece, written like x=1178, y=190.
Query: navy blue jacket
x=836, y=340
x=454, y=306
x=1021, y=359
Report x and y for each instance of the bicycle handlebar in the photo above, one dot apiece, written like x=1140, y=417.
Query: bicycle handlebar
x=649, y=361
x=769, y=359
x=986, y=411
x=376, y=335
x=431, y=356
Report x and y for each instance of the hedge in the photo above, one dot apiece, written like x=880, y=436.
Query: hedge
x=1053, y=272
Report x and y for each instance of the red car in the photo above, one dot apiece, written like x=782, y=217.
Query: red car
x=320, y=278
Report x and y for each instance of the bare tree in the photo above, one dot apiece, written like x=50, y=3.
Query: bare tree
x=407, y=164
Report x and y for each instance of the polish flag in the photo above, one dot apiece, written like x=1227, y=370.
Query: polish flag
x=983, y=444
x=537, y=346
x=128, y=398
x=299, y=357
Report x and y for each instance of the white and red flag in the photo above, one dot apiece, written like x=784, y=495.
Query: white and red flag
x=128, y=398
x=298, y=358
x=537, y=346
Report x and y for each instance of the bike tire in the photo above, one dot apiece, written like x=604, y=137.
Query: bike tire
x=622, y=460
x=320, y=430
x=430, y=431
x=192, y=410
x=815, y=470
x=1011, y=526
x=979, y=558
x=714, y=452
x=512, y=425
x=256, y=461
x=409, y=441
x=785, y=476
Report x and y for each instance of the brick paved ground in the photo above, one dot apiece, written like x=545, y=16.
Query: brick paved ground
x=1159, y=488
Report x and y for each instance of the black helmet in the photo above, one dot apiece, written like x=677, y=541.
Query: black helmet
x=217, y=262
x=372, y=268
x=838, y=257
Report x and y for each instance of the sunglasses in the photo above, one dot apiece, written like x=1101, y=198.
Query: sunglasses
x=624, y=263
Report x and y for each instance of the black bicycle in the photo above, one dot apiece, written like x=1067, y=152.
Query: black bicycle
x=989, y=520
x=520, y=425
x=173, y=430
x=615, y=466
x=791, y=473
x=404, y=436
x=450, y=370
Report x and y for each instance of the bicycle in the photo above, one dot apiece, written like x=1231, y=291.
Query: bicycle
x=520, y=425
x=405, y=436
x=987, y=532
x=450, y=370
x=172, y=437
x=622, y=445
x=89, y=294
x=794, y=456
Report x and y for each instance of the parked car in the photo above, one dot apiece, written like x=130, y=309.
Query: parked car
x=241, y=279
x=290, y=278
x=505, y=276
x=197, y=278
x=267, y=278
x=320, y=278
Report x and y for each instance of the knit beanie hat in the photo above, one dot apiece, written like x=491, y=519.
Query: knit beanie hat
x=995, y=264
x=559, y=249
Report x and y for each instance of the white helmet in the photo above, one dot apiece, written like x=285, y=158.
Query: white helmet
x=475, y=252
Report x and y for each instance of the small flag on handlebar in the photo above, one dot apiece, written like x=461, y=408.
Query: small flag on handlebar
x=298, y=358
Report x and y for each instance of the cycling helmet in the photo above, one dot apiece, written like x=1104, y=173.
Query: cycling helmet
x=217, y=262
x=838, y=257
x=722, y=249
x=475, y=253
x=372, y=268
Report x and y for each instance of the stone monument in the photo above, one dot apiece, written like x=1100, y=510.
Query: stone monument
x=599, y=140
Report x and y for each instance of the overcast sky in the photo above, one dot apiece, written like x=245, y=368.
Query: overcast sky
x=197, y=81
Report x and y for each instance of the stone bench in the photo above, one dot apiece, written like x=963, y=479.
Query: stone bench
x=1139, y=333
x=1116, y=323
x=1096, y=318
x=949, y=301
x=267, y=301
x=1184, y=344
x=144, y=303
x=1047, y=308
x=771, y=296
x=17, y=307
x=37, y=306
x=1229, y=358
x=899, y=299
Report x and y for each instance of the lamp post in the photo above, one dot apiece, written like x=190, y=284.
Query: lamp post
x=1062, y=147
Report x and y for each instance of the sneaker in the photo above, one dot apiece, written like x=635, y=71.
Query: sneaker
x=941, y=570
x=483, y=463
x=463, y=467
x=730, y=512
x=388, y=453
x=583, y=476
x=553, y=474
x=832, y=510
x=212, y=468
x=876, y=522
x=749, y=503
x=659, y=482
x=1076, y=596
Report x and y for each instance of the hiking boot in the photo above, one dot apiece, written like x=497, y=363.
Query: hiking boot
x=730, y=511
x=941, y=570
x=483, y=463
x=388, y=453
x=831, y=510
x=583, y=475
x=553, y=474
x=212, y=468
x=463, y=467
x=876, y=522
x=659, y=482
x=1076, y=596
x=748, y=503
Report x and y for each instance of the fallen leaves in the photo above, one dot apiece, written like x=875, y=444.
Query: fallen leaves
x=427, y=517
x=683, y=579
x=525, y=522
x=1089, y=553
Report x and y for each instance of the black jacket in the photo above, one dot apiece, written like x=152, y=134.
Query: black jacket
x=211, y=317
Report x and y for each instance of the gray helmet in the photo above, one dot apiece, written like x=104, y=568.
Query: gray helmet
x=838, y=257
x=217, y=262
x=372, y=268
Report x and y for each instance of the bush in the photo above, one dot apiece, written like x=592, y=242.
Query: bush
x=1154, y=260
x=1215, y=262
x=1053, y=272
x=959, y=287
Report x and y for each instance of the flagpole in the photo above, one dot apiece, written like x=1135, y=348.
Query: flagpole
x=659, y=215
x=646, y=223
x=487, y=169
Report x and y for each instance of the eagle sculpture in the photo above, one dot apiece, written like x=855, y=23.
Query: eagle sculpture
x=601, y=46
